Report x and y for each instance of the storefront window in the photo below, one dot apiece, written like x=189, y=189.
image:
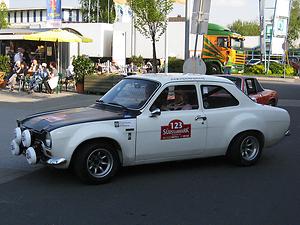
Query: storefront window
x=34, y=15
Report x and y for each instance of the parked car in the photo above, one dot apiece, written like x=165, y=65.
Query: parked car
x=150, y=119
x=251, y=87
x=253, y=62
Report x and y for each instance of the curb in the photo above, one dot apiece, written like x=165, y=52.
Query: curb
x=287, y=80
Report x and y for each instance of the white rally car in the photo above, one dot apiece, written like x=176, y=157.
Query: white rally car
x=152, y=118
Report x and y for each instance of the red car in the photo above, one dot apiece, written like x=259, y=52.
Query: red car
x=251, y=87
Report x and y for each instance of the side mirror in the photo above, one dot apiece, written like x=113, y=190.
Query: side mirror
x=156, y=112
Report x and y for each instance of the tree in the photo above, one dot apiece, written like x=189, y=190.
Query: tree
x=245, y=28
x=102, y=11
x=294, y=23
x=3, y=15
x=151, y=20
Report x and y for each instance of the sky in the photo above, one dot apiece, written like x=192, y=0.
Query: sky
x=225, y=12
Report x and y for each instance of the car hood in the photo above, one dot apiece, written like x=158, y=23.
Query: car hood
x=54, y=119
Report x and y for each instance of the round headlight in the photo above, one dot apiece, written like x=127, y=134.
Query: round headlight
x=15, y=148
x=48, y=140
x=18, y=135
x=31, y=156
x=26, y=138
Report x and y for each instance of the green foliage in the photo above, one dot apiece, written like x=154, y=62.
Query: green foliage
x=245, y=28
x=294, y=23
x=3, y=15
x=99, y=7
x=4, y=63
x=175, y=65
x=258, y=69
x=150, y=19
x=83, y=66
x=247, y=69
x=137, y=60
x=274, y=69
x=151, y=16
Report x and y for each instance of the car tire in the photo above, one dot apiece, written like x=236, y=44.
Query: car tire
x=96, y=163
x=245, y=149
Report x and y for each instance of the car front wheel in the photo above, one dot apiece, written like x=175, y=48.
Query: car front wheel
x=96, y=163
x=245, y=149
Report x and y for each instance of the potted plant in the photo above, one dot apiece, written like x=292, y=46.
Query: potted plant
x=83, y=66
x=4, y=69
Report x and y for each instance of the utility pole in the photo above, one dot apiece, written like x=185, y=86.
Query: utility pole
x=97, y=11
x=89, y=12
x=187, y=30
x=108, y=11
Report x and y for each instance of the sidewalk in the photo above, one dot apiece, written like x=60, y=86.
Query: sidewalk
x=278, y=79
x=22, y=96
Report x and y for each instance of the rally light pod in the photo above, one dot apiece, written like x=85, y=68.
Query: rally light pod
x=15, y=148
x=31, y=156
x=18, y=135
x=26, y=138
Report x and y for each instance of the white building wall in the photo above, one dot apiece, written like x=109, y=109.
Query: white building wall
x=101, y=34
x=143, y=46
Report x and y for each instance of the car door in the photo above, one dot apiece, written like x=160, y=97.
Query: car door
x=221, y=108
x=175, y=132
x=252, y=90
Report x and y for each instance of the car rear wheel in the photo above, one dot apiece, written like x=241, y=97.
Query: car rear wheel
x=245, y=149
x=96, y=163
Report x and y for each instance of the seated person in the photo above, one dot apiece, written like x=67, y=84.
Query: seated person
x=177, y=101
x=13, y=79
x=181, y=101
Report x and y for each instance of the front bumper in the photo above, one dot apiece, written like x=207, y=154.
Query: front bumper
x=34, y=149
x=56, y=161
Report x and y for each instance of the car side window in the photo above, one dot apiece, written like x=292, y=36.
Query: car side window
x=251, y=88
x=259, y=88
x=217, y=97
x=179, y=97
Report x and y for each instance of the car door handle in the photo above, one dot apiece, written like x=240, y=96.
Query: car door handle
x=201, y=117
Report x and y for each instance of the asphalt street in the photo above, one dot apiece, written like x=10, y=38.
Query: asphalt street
x=202, y=191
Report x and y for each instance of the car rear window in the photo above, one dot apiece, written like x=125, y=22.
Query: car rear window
x=236, y=80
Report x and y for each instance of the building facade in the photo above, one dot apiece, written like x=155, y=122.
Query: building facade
x=26, y=13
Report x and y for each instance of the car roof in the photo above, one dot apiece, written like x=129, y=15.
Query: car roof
x=237, y=76
x=164, y=78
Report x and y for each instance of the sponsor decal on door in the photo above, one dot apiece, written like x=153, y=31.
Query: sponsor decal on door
x=175, y=129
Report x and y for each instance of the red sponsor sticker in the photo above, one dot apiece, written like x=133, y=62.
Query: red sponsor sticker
x=176, y=129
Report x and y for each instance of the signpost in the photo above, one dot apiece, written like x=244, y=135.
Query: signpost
x=200, y=16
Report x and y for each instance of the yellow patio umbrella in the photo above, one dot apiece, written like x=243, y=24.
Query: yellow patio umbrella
x=57, y=35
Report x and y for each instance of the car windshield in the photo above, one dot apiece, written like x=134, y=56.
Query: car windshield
x=130, y=93
x=236, y=43
x=236, y=80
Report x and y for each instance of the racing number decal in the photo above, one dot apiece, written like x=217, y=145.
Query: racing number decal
x=175, y=129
